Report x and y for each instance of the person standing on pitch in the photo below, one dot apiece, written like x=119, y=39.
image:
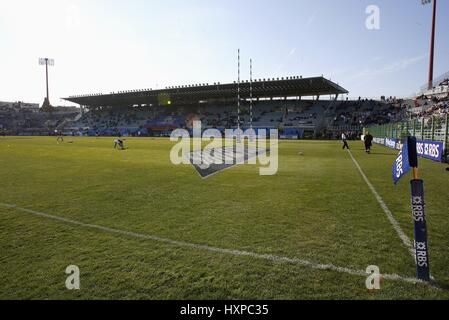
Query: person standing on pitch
x=344, y=138
x=60, y=136
x=368, y=142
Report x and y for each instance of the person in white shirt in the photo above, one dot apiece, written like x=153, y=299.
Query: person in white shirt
x=345, y=141
x=119, y=143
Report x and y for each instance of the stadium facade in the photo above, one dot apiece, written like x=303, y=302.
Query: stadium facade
x=214, y=93
x=264, y=104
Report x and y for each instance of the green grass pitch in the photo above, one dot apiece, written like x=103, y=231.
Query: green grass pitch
x=317, y=208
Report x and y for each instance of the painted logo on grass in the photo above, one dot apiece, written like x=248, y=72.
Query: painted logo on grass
x=237, y=147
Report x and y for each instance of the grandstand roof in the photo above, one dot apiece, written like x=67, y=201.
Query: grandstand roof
x=192, y=94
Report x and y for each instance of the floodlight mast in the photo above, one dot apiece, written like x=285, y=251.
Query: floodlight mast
x=46, y=78
x=46, y=61
x=251, y=93
x=238, y=90
x=432, y=41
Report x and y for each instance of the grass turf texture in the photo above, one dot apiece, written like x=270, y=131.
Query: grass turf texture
x=316, y=208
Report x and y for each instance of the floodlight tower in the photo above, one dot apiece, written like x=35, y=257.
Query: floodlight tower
x=46, y=106
x=251, y=93
x=238, y=90
x=432, y=40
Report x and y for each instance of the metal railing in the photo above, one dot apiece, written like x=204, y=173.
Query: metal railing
x=344, y=128
x=432, y=128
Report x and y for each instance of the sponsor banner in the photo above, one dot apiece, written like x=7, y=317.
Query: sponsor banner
x=430, y=150
x=427, y=149
x=379, y=141
x=402, y=164
x=419, y=219
x=391, y=143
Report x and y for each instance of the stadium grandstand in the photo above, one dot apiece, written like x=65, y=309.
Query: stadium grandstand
x=20, y=118
x=426, y=117
x=299, y=107
x=294, y=105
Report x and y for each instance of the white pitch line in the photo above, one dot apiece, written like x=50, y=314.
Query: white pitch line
x=405, y=240
x=269, y=257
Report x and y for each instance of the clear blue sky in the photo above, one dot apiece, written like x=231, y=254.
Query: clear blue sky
x=104, y=45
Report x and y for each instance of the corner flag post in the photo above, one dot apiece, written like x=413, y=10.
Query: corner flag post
x=419, y=217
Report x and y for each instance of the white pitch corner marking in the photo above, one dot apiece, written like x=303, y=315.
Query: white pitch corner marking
x=234, y=252
x=405, y=240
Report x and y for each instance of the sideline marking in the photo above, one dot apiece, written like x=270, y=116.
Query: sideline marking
x=405, y=240
x=280, y=259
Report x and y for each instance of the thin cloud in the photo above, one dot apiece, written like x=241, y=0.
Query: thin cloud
x=286, y=60
x=310, y=20
x=376, y=59
x=390, y=68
